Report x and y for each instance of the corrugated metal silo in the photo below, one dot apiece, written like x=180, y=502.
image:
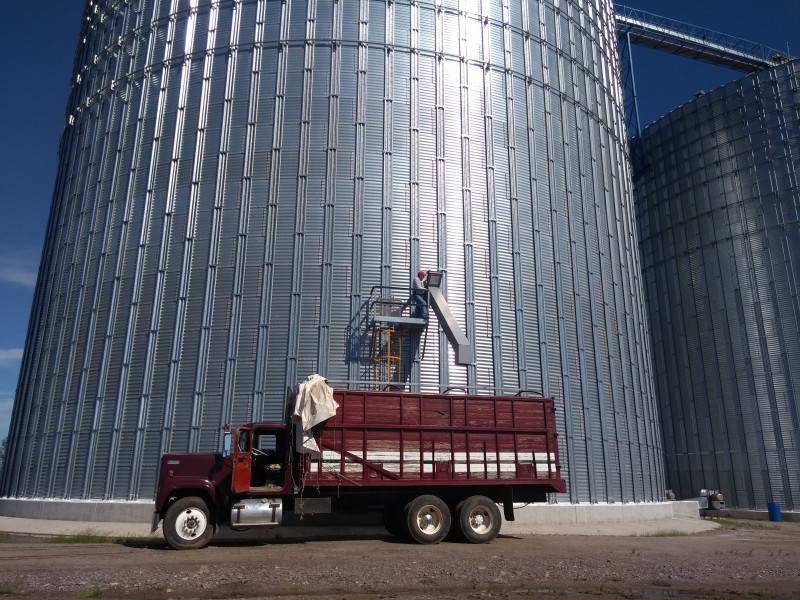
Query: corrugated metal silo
x=238, y=176
x=718, y=205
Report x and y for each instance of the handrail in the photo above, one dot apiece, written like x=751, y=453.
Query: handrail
x=677, y=37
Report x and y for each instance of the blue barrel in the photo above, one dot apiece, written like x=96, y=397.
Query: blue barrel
x=774, y=510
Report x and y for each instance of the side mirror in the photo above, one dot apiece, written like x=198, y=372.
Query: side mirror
x=226, y=443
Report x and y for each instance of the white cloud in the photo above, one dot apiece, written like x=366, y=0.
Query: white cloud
x=19, y=268
x=10, y=356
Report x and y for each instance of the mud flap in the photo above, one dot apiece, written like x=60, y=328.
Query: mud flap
x=154, y=523
x=508, y=505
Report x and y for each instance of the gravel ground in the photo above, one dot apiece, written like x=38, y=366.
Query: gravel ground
x=739, y=560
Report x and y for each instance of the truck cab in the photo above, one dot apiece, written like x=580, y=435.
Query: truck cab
x=242, y=486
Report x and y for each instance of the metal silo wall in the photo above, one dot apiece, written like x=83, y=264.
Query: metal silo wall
x=718, y=202
x=237, y=176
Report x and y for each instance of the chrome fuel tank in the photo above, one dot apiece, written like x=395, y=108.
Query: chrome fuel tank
x=252, y=512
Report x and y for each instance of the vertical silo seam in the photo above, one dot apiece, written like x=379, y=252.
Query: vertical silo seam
x=527, y=291
x=108, y=228
x=44, y=405
x=190, y=249
x=593, y=448
x=266, y=335
x=735, y=312
x=330, y=199
x=160, y=248
x=166, y=239
x=760, y=464
x=300, y=210
x=560, y=172
x=466, y=195
x=248, y=384
x=192, y=439
x=414, y=150
x=621, y=300
x=135, y=299
x=239, y=405
x=767, y=408
x=616, y=492
x=68, y=312
x=595, y=295
x=126, y=231
x=536, y=328
x=563, y=255
x=440, y=180
x=784, y=423
x=357, y=243
x=491, y=201
x=361, y=263
x=95, y=231
x=517, y=332
x=387, y=221
x=633, y=266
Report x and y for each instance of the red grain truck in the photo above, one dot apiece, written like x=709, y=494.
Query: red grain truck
x=422, y=460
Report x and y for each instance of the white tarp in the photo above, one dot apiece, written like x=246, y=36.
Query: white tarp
x=313, y=405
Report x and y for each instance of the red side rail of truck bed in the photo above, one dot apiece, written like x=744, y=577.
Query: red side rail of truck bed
x=387, y=439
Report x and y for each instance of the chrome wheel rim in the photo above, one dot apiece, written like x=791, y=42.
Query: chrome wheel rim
x=429, y=519
x=191, y=523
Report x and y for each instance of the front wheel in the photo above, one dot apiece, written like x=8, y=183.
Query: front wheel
x=427, y=519
x=479, y=519
x=188, y=524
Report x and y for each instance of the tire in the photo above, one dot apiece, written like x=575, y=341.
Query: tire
x=188, y=524
x=426, y=520
x=479, y=519
x=393, y=521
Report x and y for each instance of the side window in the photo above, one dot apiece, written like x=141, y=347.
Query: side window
x=244, y=440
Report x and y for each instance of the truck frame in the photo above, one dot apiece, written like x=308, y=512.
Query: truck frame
x=422, y=460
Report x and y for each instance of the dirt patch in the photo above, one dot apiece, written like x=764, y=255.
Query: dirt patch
x=739, y=560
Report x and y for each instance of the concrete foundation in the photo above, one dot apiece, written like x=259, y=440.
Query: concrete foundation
x=88, y=511
x=580, y=514
x=96, y=511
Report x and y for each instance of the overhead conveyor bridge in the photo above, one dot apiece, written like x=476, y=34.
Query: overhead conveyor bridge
x=676, y=37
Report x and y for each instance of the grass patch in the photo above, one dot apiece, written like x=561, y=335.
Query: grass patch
x=666, y=533
x=727, y=523
x=4, y=536
x=730, y=524
x=12, y=587
x=89, y=536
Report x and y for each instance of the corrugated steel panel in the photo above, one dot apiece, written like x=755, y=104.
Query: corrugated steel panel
x=224, y=211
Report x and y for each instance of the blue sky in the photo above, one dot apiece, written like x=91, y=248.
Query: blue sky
x=36, y=53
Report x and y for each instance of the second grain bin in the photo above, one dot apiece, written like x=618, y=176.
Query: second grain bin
x=718, y=203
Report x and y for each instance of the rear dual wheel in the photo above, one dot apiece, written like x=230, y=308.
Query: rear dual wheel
x=426, y=519
x=479, y=519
